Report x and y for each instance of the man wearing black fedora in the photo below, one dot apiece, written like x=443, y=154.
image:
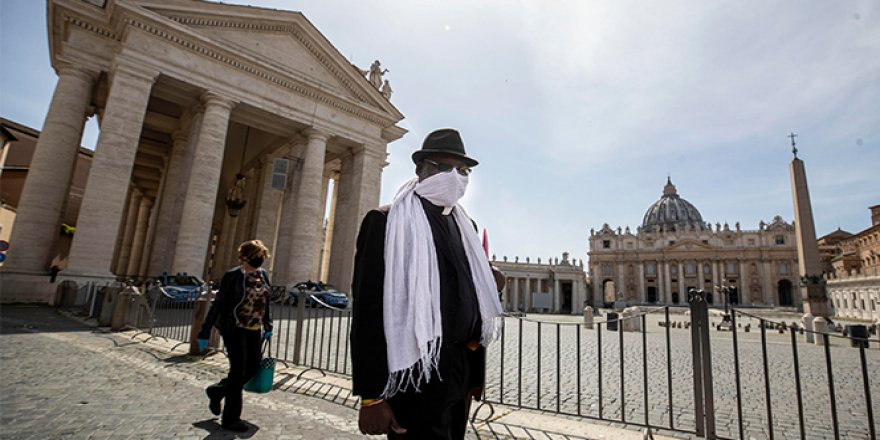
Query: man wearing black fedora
x=425, y=302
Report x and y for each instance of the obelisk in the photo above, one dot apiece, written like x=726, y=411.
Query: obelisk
x=812, y=283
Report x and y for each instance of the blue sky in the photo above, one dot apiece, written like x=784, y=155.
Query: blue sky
x=578, y=110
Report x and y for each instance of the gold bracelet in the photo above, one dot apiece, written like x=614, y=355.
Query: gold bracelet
x=366, y=403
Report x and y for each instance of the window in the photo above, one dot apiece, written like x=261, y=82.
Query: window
x=673, y=269
x=706, y=269
x=606, y=244
x=780, y=239
x=783, y=268
x=607, y=270
x=731, y=268
x=650, y=268
x=671, y=242
x=629, y=245
x=690, y=268
x=751, y=242
x=705, y=241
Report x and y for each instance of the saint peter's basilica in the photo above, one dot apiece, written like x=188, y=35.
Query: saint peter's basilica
x=675, y=250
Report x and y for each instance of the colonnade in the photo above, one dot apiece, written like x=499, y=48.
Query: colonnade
x=714, y=271
x=127, y=230
x=518, y=293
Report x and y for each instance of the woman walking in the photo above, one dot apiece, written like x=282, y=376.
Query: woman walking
x=240, y=311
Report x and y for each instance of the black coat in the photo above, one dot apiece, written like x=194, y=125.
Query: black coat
x=368, y=346
x=229, y=296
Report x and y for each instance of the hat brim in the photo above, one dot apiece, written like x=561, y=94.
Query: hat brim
x=420, y=154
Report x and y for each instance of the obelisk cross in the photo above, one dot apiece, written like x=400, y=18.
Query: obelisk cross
x=793, y=147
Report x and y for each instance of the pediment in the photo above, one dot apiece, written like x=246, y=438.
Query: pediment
x=280, y=41
x=689, y=245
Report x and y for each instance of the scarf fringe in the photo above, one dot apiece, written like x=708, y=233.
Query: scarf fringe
x=416, y=374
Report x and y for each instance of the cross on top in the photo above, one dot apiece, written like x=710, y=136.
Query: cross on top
x=793, y=147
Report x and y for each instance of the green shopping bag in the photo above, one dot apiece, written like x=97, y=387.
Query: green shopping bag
x=262, y=381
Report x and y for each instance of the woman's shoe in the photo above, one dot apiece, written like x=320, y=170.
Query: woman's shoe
x=237, y=426
x=214, y=402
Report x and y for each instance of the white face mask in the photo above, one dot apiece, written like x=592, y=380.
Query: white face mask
x=443, y=189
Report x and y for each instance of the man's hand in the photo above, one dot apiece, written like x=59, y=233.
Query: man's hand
x=378, y=419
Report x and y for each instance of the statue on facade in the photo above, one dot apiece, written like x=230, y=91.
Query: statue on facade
x=386, y=89
x=376, y=73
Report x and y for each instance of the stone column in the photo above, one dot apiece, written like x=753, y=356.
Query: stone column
x=360, y=182
x=682, y=294
x=140, y=234
x=715, y=280
x=666, y=296
x=529, y=297
x=134, y=201
x=743, y=283
x=767, y=282
x=254, y=176
x=48, y=183
x=642, y=293
x=308, y=213
x=168, y=215
x=516, y=304
x=201, y=192
x=266, y=222
x=283, y=243
x=557, y=301
x=100, y=214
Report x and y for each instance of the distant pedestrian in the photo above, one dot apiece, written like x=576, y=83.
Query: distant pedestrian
x=240, y=312
x=425, y=303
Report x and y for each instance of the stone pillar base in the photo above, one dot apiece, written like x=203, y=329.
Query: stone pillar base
x=25, y=287
x=808, y=327
x=820, y=325
x=588, y=317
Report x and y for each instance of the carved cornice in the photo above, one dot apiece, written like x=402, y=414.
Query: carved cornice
x=291, y=29
x=91, y=27
x=250, y=68
x=277, y=78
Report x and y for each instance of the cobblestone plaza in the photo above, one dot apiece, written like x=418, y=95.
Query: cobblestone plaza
x=846, y=368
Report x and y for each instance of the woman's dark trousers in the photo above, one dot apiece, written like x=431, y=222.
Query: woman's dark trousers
x=243, y=348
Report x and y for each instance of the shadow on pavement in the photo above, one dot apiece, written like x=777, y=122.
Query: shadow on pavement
x=216, y=432
x=182, y=359
x=19, y=319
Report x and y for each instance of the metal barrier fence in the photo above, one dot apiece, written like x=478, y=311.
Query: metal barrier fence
x=824, y=392
x=758, y=380
x=172, y=318
x=312, y=334
x=686, y=380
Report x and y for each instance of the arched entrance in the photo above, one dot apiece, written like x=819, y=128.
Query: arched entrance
x=783, y=289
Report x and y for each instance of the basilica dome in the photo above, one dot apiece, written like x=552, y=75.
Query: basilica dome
x=672, y=212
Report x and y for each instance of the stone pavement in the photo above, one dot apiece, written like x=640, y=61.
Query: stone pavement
x=60, y=378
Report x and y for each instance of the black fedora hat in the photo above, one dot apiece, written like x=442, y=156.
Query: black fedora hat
x=444, y=141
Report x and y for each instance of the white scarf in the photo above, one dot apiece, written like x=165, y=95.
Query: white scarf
x=413, y=328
